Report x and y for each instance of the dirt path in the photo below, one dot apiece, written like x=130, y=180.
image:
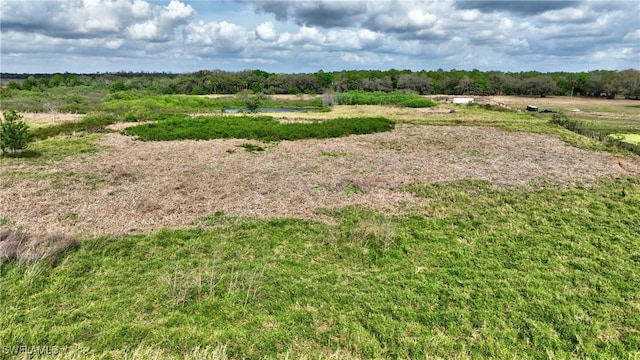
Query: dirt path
x=139, y=187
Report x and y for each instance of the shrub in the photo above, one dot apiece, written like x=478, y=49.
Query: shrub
x=14, y=133
x=329, y=99
x=564, y=121
x=251, y=101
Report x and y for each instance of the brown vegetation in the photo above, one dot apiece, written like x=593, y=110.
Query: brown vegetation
x=16, y=244
x=144, y=186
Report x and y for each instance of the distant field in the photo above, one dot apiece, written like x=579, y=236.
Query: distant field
x=605, y=116
x=463, y=232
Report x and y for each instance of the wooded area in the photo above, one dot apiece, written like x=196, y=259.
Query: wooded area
x=600, y=83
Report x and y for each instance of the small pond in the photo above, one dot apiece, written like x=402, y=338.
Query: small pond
x=268, y=109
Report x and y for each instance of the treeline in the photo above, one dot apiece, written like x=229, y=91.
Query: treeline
x=454, y=82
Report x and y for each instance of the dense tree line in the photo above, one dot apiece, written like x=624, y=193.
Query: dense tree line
x=459, y=82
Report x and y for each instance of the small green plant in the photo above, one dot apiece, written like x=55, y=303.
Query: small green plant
x=333, y=153
x=14, y=133
x=353, y=189
x=251, y=147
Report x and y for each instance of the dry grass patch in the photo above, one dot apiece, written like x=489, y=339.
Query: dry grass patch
x=146, y=186
x=27, y=249
x=46, y=119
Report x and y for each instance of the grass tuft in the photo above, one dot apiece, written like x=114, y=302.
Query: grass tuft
x=43, y=248
x=27, y=250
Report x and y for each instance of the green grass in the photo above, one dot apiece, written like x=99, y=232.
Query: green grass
x=514, y=121
x=255, y=128
x=56, y=148
x=399, y=98
x=76, y=99
x=132, y=103
x=479, y=272
x=630, y=138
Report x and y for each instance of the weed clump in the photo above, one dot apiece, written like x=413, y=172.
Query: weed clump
x=26, y=250
x=10, y=240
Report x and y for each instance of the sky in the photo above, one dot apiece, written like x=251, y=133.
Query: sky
x=298, y=36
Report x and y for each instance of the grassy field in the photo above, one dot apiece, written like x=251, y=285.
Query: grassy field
x=603, y=116
x=462, y=267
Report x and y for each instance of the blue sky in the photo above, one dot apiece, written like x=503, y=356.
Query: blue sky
x=305, y=36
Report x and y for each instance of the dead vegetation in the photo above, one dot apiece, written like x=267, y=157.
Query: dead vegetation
x=27, y=249
x=139, y=187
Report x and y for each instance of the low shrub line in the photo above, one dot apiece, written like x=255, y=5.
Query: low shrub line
x=398, y=98
x=263, y=128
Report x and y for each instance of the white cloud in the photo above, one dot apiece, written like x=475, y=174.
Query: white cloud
x=568, y=15
x=266, y=31
x=223, y=37
x=114, y=44
x=178, y=11
x=145, y=31
x=633, y=36
x=326, y=33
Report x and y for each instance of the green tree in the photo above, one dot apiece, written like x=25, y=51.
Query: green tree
x=630, y=83
x=542, y=85
x=29, y=83
x=14, y=133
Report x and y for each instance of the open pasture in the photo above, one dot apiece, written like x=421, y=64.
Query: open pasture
x=465, y=234
x=601, y=115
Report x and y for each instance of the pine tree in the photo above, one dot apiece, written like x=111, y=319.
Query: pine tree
x=14, y=133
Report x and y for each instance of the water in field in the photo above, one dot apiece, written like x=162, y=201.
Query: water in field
x=267, y=109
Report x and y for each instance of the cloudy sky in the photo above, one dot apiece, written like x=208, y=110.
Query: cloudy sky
x=294, y=36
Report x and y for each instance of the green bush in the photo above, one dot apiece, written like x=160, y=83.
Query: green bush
x=122, y=95
x=564, y=121
x=14, y=133
x=399, y=98
x=263, y=128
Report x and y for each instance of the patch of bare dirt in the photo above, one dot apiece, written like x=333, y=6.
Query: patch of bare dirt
x=139, y=187
x=123, y=125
